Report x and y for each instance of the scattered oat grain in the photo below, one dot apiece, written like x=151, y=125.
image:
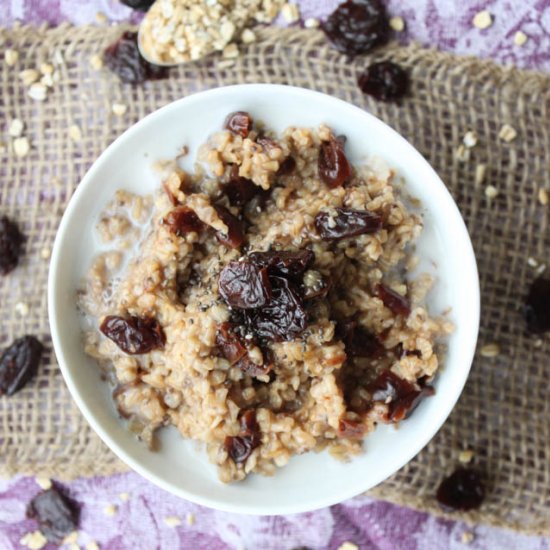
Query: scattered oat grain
x=462, y=154
x=110, y=510
x=490, y=350
x=507, y=133
x=397, y=24
x=465, y=457
x=92, y=545
x=75, y=133
x=290, y=12
x=248, y=36
x=311, y=23
x=470, y=139
x=46, y=68
x=125, y=497
x=38, y=91
x=172, y=521
x=16, y=128
x=467, y=537
x=58, y=58
x=29, y=76
x=190, y=518
x=531, y=262
x=491, y=192
x=543, y=196
x=11, y=57
x=119, y=109
x=47, y=80
x=230, y=51
x=21, y=146
x=71, y=538
x=22, y=309
x=45, y=253
x=482, y=20
x=96, y=62
x=540, y=269
x=520, y=38
x=481, y=169
x=44, y=483
x=348, y=546
x=225, y=63
x=101, y=18
x=34, y=541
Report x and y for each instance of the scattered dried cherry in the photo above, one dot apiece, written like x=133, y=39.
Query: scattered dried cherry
x=462, y=490
x=11, y=245
x=385, y=81
x=240, y=190
x=356, y=26
x=333, y=165
x=236, y=234
x=229, y=343
x=359, y=341
x=283, y=317
x=182, y=220
x=286, y=263
x=394, y=301
x=124, y=59
x=244, y=285
x=57, y=515
x=19, y=364
x=141, y=5
x=351, y=428
x=347, y=223
x=240, y=447
x=537, y=306
x=239, y=123
x=134, y=335
x=287, y=166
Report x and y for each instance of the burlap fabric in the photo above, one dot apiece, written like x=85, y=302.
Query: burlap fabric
x=504, y=412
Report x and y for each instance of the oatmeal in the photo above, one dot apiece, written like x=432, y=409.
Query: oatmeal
x=266, y=312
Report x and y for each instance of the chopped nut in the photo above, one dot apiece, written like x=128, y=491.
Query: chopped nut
x=543, y=196
x=125, y=497
x=96, y=62
x=520, y=38
x=462, y=154
x=248, y=36
x=21, y=146
x=467, y=537
x=397, y=24
x=75, y=133
x=46, y=68
x=490, y=350
x=44, y=483
x=35, y=540
x=92, y=545
x=465, y=457
x=311, y=23
x=110, y=510
x=482, y=20
x=38, y=91
x=16, y=128
x=119, y=109
x=348, y=546
x=480, y=173
x=172, y=521
x=22, y=309
x=190, y=518
x=230, y=51
x=507, y=133
x=11, y=57
x=29, y=76
x=470, y=139
x=290, y=13
x=491, y=192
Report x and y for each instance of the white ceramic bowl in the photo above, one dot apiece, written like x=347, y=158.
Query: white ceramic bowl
x=313, y=480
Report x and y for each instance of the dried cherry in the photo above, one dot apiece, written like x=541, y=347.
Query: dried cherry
x=19, y=363
x=240, y=447
x=357, y=26
x=462, y=490
x=394, y=301
x=287, y=166
x=229, y=343
x=239, y=123
x=286, y=263
x=240, y=190
x=11, y=245
x=57, y=515
x=359, y=341
x=235, y=236
x=347, y=223
x=385, y=81
x=182, y=220
x=244, y=285
x=333, y=165
x=124, y=59
x=537, y=306
x=134, y=335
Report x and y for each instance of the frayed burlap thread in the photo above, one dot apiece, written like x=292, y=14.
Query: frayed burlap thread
x=504, y=412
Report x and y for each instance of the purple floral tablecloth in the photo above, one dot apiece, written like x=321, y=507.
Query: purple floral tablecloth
x=125, y=511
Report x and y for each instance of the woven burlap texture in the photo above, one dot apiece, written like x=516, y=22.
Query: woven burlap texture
x=504, y=412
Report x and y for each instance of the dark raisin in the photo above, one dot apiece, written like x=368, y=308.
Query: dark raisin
x=236, y=235
x=286, y=263
x=537, y=306
x=347, y=223
x=385, y=81
x=283, y=317
x=134, y=335
x=359, y=341
x=141, y=5
x=351, y=428
x=11, y=245
x=57, y=515
x=19, y=363
x=240, y=447
x=229, y=343
x=402, y=396
x=394, y=301
x=239, y=123
x=240, y=190
x=244, y=285
x=333, y=165
x=462, y=490
x=357, y=26
x=286, y=167
x=123, y=59
x=182, y=220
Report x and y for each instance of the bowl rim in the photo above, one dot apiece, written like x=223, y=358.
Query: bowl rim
x=471, y=271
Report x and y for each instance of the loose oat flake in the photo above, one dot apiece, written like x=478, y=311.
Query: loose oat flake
x=348, y=546
x=290, y=13
x=29, y=76
x=11, y=57
x=482, y=20
x=465, y=457
x=467, y=537
x=119, y=109
x=507, y=133
x=16, y=128
x=543, y=196
x=172, y=521
x=397, y=24
x=490, y=350
x=491, y=192
x=34, y=541
x=520, y=38
x=21, y=146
